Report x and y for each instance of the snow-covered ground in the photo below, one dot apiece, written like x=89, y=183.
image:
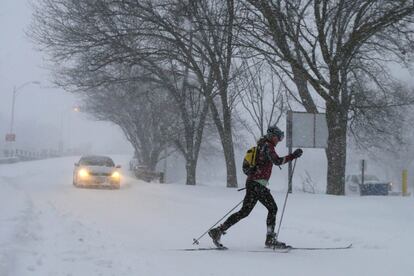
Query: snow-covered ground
x=48, y=227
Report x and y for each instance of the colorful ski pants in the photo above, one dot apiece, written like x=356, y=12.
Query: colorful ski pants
x=254, y=192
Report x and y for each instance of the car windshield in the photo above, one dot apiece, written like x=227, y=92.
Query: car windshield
x=96, y=161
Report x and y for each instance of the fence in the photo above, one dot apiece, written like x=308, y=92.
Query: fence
x=16, y=155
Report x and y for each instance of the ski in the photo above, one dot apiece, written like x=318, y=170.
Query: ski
x=323, y=248
x=285, y=250
x=203, y=248
x=280, y=250
x=271, y=250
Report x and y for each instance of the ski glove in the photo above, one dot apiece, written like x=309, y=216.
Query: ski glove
x=297, y=153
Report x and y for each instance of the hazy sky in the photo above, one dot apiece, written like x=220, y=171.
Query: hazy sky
x=42, y=114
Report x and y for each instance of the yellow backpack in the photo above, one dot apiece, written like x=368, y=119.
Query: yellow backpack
x=249, y=161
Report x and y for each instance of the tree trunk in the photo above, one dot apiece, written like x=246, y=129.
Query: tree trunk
x=191, y=166
x=228, y=145
x=229, y=159
x=226, y=137
x=302, y=86
x=152, y=163
x=336, y=151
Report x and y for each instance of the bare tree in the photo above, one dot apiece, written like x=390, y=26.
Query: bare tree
x=263, y=96
x=136, y=110
x=196, y=34
x=321, y=41
x=95, y=43
x=193, y=111
x=211, y=44
x=383, y=129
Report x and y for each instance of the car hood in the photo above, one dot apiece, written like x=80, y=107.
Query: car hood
x=375, y=182
x=99, y=169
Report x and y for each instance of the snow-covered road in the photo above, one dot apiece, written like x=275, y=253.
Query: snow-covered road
x=48, y=227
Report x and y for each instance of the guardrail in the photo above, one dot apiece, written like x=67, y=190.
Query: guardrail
x=16, y=155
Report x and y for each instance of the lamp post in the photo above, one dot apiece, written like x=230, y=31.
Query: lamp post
x=15, y=91
x=11, y=136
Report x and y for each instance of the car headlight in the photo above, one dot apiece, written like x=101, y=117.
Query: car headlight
x=83, y=173
x=116, y=175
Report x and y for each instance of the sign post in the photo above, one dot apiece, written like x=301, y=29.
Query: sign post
x=363, y=169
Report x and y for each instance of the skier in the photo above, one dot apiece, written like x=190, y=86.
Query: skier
x=256, y=187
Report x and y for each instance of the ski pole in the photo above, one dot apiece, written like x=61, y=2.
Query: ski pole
x=284, y=204
x=196, y=241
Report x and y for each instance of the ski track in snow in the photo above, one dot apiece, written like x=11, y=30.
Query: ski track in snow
x=21, y=233
x=32, y=244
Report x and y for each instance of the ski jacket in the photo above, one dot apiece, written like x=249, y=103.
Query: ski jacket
x=266, y=158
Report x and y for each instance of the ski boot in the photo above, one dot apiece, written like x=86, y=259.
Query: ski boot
x=215, y=234
x=271, y=242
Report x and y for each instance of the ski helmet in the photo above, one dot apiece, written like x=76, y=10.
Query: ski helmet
x=274, y=130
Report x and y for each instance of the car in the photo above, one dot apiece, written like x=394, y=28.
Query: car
x=372, y=185
x=133, y=163
x=94, y=171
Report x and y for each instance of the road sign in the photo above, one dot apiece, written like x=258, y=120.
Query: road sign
x=306, y=130
x=10, y=137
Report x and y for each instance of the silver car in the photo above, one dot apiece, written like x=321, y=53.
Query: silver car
x=96, y=172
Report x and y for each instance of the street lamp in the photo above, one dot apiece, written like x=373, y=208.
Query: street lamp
x=11, y=137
